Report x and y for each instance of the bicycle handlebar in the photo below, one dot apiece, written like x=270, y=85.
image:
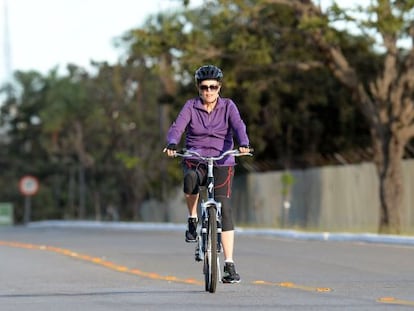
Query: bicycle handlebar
x=192, y=153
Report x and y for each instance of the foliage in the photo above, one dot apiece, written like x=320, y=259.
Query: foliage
x=385, y=99
x=95, y=141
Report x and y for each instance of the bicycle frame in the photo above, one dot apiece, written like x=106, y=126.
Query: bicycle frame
x=209, y=245
x=211, y=202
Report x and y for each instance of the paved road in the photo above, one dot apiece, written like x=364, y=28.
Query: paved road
x=100, y=269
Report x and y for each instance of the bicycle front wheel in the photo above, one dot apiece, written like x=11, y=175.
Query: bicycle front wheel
x=210, y=254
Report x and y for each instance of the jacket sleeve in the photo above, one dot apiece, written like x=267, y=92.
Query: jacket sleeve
x=178, y=127
x=238, y=125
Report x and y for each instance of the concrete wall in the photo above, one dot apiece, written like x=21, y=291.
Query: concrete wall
x=328, y=198
x=331, y=198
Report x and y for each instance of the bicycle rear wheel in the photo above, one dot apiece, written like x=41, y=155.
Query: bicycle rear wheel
x=210, y=254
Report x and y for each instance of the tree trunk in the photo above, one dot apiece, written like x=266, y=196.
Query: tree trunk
x=136, y=209
x=71, y=192
x=386, y=101
x=82, y=191
x=388, y=159
x=97, y=204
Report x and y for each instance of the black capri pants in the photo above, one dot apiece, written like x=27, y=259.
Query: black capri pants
x=195, y=176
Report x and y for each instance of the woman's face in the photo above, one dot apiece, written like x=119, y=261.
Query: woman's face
x=209, y=90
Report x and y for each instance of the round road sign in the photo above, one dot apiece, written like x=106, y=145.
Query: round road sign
x=28, y=185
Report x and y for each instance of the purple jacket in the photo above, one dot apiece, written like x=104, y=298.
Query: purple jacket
x=209, y=134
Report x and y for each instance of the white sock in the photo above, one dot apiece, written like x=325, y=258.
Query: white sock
x=229, y=260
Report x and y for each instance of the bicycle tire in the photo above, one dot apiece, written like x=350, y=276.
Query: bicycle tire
x=210, y=254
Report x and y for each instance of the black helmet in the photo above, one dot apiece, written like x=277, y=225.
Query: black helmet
x=208, y=72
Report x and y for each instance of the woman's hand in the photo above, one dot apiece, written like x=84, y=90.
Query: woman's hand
x=171, y=150
x=244, y=149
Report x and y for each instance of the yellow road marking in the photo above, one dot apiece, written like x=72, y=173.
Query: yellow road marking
x=150, y=275
x=169, y=278
x=395, y=301
x=293, y=285
x=101, y=262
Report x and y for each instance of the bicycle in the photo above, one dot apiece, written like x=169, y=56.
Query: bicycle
x=209, y=240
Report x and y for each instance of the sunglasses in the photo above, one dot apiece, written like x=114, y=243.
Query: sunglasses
x=211, y=87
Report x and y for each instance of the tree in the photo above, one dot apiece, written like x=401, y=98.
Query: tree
x=89, y=139
x=285, y=93
x=130, y=135
x=279, y=79
x=386, y=100
x=108, y=125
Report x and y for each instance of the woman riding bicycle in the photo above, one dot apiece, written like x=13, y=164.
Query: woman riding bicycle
x=210, y=122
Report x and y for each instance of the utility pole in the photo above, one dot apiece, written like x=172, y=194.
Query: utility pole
x=7, y=50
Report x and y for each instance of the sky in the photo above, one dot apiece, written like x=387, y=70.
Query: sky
x=43, y=34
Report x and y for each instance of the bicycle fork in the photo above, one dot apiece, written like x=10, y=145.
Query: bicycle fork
x=202, y=238
x=210, y=203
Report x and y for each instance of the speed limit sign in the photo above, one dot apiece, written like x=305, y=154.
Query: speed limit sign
x=28, y=185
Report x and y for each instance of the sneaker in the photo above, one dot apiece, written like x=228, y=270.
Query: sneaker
x=191, y=233
x=230, y=274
